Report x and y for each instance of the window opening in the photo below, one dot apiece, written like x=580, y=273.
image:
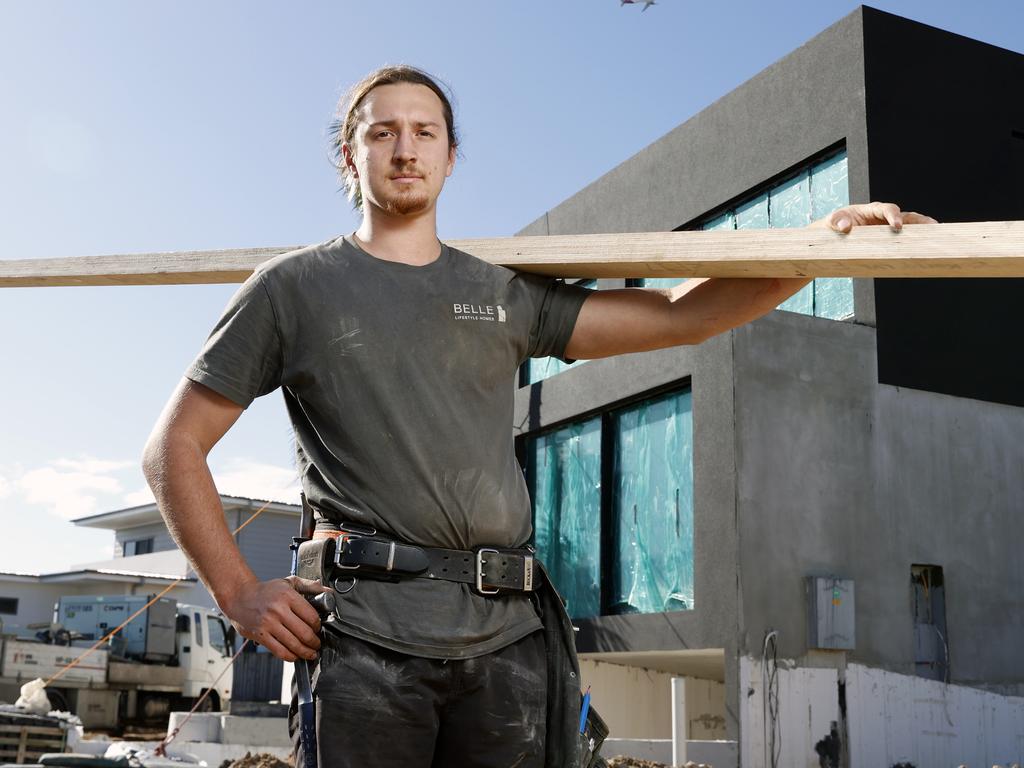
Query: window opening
x=652, y=506
x=811, y=193
x=564, y=469
x=613, y=507
x=138, y=547
x=931, y=640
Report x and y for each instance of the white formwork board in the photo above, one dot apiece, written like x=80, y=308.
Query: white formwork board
x=896, y=718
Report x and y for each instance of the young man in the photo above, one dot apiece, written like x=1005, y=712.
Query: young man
x=396, y=356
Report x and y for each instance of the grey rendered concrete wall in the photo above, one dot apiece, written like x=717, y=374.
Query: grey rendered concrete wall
x=838, y=475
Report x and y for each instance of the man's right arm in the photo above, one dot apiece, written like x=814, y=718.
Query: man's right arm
x=273, y=613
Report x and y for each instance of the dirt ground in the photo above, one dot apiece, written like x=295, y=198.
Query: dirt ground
x=635, y=762
x=260, y=760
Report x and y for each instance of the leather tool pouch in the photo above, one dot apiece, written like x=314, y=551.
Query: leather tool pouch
x=595, y=731
x=315, y=560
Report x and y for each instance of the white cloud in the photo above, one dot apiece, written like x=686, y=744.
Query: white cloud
x=244, y=477
x=84, y=485
x=92, y=465
x=138, y=498
x=66, y=494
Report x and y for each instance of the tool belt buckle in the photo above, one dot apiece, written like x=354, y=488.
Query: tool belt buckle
x=480, y=571
x=339, y=549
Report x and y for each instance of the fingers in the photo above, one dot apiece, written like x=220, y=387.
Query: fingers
x=307, y=587
x=278, y=617
x=844, y=219
x=840, y=221
x=288, y=636
x=277, y=649
x=887, y=212
x=911, y=217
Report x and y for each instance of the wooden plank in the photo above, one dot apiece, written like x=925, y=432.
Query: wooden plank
x=54, y=730
x=991, y=249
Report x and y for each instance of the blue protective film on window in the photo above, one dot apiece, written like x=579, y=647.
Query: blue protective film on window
x=790, y=202
x=540, y=368
x=830, y=190
x=790, y=206
x=662, y=282
x=725, y=221
x=565, y=473
x=810, y=195
x=653, y=506
x=753, y=214
x=830, y=187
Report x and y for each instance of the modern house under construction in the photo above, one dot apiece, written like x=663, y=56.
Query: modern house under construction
x=813, y=523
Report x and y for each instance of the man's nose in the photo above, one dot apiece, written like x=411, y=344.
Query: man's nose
x=405, y=147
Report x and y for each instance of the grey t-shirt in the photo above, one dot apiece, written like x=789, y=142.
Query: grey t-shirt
x=399, y=383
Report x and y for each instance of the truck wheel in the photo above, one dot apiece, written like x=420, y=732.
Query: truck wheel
x=210, y=704
x=57, y=699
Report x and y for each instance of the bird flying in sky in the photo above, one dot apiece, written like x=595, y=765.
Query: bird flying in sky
x=647, y=3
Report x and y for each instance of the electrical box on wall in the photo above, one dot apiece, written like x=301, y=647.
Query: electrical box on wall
x=830, y=613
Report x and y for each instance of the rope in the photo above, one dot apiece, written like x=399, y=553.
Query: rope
x=160, y=751
x=60, y=673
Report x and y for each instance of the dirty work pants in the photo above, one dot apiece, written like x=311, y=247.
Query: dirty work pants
x=379, y=708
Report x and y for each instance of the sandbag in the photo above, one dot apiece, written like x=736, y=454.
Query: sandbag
x=33, y=697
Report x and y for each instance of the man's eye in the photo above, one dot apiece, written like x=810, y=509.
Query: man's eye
x=383, y=134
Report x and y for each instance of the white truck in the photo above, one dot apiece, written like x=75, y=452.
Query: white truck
x=165, y=658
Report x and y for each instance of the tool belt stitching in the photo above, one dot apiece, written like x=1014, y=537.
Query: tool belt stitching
x=489, y=570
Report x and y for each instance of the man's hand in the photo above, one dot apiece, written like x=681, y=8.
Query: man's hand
x=277, y=615
x=851, y=216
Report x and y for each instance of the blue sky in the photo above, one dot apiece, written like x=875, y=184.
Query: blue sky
x=138, y=127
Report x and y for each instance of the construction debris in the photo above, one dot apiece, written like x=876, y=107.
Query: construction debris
x=260, y=760
x=623, y=761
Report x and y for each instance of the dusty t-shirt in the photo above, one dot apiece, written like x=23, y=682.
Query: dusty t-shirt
x=399, y=383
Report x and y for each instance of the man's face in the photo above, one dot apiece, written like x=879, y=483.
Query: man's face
x=399, y=151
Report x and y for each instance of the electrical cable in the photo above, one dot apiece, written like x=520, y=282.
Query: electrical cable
x=771, y=725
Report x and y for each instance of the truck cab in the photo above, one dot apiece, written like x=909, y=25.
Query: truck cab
x=205, y=646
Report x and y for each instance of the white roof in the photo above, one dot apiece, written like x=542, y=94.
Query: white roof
x=156, y=567
x=130, y=517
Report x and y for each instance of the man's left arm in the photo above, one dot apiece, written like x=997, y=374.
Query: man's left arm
x=637, y=320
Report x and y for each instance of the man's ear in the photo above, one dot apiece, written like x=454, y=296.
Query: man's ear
x=350, y=163
x=452, y=151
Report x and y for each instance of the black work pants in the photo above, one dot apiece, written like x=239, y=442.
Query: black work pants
x=378, y=708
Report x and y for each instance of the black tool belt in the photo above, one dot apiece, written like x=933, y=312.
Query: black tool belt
x=489, y=570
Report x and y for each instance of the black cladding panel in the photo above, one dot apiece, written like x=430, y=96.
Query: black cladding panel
x=945, y=123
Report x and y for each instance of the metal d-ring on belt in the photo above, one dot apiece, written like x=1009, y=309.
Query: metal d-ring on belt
x=490, y=570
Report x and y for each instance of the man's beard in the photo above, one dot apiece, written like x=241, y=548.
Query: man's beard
x=405, y=202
